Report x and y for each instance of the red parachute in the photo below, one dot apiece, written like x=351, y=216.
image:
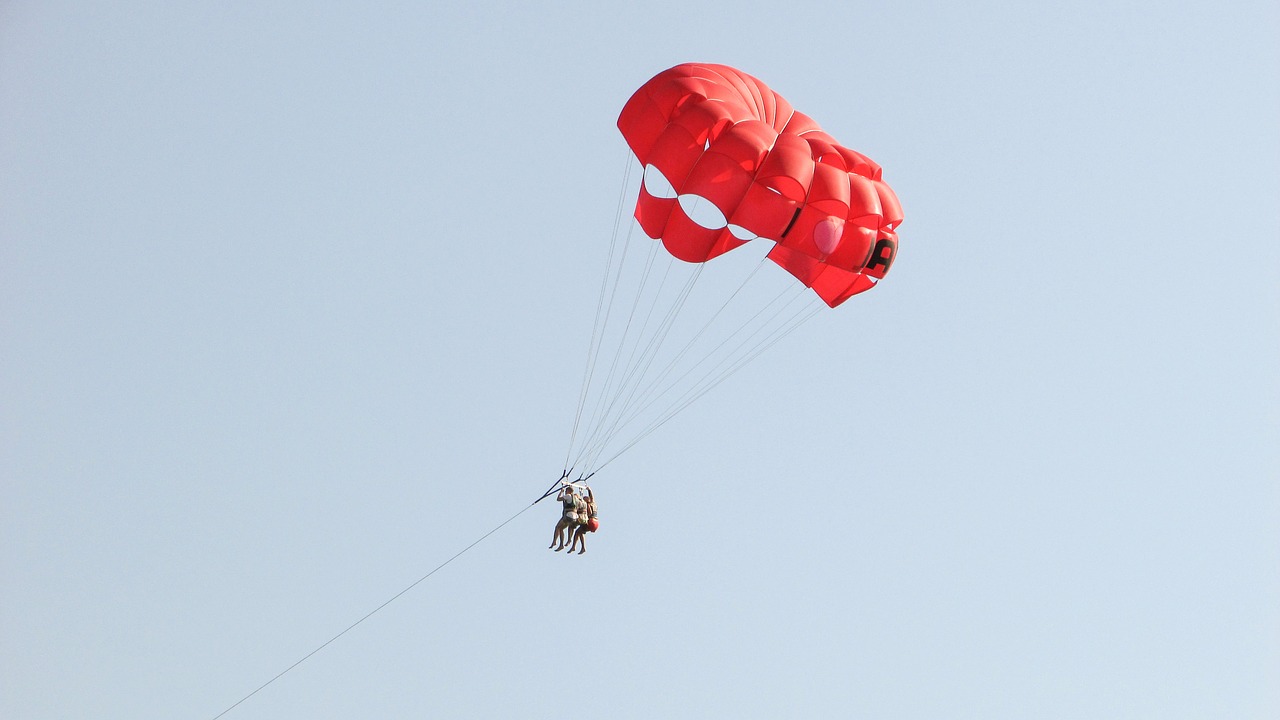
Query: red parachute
x=727, y=160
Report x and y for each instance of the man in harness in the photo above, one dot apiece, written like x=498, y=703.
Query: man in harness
x=570, y=503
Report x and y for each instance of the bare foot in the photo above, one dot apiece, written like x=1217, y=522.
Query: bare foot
x=582, y=551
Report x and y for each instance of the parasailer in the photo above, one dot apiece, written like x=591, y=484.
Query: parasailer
x=571, y=504
x=588, y=521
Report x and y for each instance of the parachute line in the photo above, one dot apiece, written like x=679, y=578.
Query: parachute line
x=601, y=411
x=691, y=397
x=637, y=372
x=646, y=384
x=651, y=393
x=374, y=611
x=597, y=327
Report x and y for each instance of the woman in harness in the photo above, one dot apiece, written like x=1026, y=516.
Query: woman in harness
x=587, y=522
x=571, y=506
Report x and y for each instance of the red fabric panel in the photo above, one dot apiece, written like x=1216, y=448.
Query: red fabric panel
x=864, y=202
x=718, y=178
x=855, y=246
x=687, y=240
x=652, y=213
x=641, y=122
x=829, y=191
x=703, y=119
x=799, y=238
x=788, y=168
x=832, y=284
x=748, y=142
x=674, y=153
x=764, y=211
x=892, y=208
x=861, y=283
x=859, y=163
x=803, y=267
x=799, y=124
x=725, y=242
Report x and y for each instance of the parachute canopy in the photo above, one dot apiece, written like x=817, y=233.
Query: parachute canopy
x=727, y=160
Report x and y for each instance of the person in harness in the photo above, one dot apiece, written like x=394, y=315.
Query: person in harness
x=571, y=504
x=587, y=522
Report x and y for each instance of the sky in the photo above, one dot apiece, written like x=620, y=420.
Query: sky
x=295, y=300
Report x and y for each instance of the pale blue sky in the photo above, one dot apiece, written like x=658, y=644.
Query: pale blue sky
x=294, y=305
